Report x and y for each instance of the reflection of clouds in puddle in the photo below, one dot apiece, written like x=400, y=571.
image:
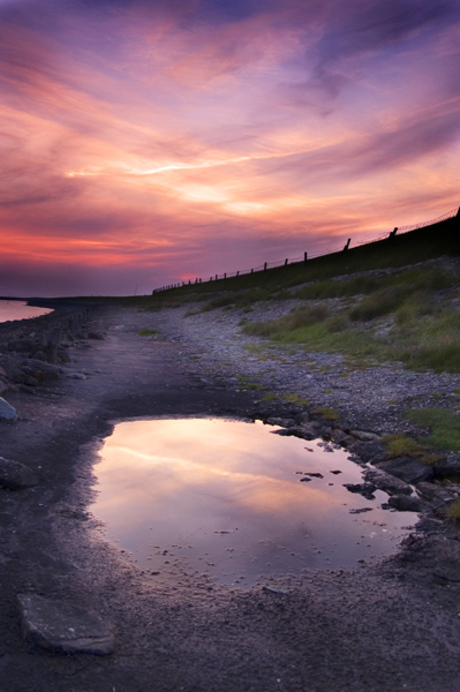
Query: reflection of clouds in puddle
x=233, y=492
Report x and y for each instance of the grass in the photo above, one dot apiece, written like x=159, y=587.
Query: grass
x=423, y=333
x=404, y=446
x=249, y=384
x=148, y=332
x=453, y=511
x=329, y=414
x=295, y=399
x=443, y=424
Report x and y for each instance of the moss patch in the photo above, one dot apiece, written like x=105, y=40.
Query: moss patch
x=442, y=423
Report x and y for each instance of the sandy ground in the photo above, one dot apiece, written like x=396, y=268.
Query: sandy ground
x=382, y=627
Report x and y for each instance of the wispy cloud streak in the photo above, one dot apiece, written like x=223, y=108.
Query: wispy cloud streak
x=176, y=138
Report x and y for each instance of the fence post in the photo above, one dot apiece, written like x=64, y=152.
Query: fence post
x=305, y=256
x=393, y=232
x=347, y=245
x=252, y=271
x=216, y=276
x=238, y=273
x=286, y=262
x=265, y=266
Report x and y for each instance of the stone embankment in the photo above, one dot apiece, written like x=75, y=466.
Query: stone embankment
x=36, y=350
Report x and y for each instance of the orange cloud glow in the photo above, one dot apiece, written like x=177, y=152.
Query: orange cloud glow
x=190, y=139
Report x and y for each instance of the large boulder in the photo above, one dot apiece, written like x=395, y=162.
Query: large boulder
x=406, y=503
x=407, y=469
x=16, y=476
x=64, y=626
x=448, y=467
x=386, y=482
x=7, y=412
x=367, y=451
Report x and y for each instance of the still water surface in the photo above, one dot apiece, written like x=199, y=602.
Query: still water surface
x=234, y=500
x=19, y=310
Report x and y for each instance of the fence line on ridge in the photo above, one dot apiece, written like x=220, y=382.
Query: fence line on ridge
x=307, y=256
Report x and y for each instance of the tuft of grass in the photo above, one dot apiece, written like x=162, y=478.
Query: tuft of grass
x=295, y=399
x=379, y=303
x=249, y=384
x=338, y=323
x=327, y=413
x=404, y=446
x=270, y=396
x=329, y=288
x=442, y=423
x=148, y=332
x=453, y=511
x=297, y=319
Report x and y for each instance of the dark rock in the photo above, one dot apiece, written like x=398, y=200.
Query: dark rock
x=367, y=490
x=284, y=432
x=361, y=510
x=340, y=437
x=7, y=412
x=435, y=494
x=40, y=370
x=367, y=451
x=312, y=430
x=406, y=503
x=407, y=469
x=448, y=467
x=281, y=422
x=384, y=481
x=63, y=626
x=16, y=476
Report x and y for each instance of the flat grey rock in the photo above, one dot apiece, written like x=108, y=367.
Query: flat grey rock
x=384, y=481
x=16, y=476
x=406, y=503
x=431, y=492
x=407, y=469
x=7, y=412
x=62, y=626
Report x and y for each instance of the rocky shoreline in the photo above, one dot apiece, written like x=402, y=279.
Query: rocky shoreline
x=387, y=625
x=318, y=395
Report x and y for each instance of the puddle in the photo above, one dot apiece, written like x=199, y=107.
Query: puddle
x=234, y=500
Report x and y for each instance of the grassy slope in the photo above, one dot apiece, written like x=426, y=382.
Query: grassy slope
x=416, y=246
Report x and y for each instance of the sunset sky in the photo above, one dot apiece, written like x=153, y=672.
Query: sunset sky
x=144, y=142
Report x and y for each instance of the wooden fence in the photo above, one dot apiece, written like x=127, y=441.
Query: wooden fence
x=306, y=256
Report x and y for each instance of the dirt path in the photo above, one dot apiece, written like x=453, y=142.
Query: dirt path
x=387, y=627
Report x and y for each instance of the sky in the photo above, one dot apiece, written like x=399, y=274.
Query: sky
x=147, y=142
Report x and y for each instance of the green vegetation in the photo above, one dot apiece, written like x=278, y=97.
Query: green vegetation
x=443, y=425
x=404, y=446
x=453, y=511
x=248, y=384
x=423, y=331
x=327, y=413
x=295, y=399
x=148, y=332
